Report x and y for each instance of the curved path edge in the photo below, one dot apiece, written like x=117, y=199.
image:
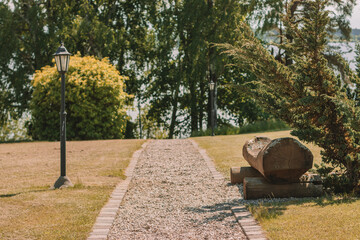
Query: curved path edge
x=107, y=214
x=245, y=219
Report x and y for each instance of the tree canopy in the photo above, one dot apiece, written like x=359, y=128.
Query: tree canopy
x=165, y=47
x=308, y=94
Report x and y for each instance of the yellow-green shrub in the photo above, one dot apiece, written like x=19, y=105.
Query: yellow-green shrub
x=95, y=101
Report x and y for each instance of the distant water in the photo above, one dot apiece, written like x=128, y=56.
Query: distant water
x=347, y=49
x=349, y=52
x=349, y=55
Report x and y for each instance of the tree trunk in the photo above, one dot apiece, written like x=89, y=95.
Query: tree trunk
x=193, y=107
x=139, y=108
x=212, y=78
x=174, y=110
x=201, y=105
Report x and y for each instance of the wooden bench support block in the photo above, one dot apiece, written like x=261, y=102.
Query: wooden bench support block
x=237, y=174
x=258, y=187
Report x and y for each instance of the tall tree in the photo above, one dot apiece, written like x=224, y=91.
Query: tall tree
x=185, y=59
x=307, y=94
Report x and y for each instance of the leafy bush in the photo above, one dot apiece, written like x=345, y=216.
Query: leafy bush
x=95, y=101
x=14, y=130
x=259, y=126
x=333, y=182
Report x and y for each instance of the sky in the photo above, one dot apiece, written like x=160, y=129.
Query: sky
x=355, y=18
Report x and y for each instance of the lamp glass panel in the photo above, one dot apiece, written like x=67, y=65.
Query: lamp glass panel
x=58, y=63
x=67, y=62
x=64, y=59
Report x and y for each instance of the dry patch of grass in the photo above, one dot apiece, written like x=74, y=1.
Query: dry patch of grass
x=332, y=217
x=30, y=210
x=329, y=217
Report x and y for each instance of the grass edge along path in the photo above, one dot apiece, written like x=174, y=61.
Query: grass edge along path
x=30, y=210
x=328, y=217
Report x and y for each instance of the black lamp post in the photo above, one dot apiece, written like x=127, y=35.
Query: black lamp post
x=212, y=88
x=62, y=58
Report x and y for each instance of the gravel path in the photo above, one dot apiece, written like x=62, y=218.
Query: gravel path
x=173, y=196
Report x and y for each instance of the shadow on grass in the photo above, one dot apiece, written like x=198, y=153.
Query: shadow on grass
x=36, y=189
x=270, y=208
x=15, y=194
x=8, y=195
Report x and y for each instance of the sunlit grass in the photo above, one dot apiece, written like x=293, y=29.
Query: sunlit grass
x=328, y=217
x=30, y=210
x=334, y=217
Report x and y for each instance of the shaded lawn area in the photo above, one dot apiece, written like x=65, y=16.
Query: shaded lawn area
x=328, y=217
x=30, y=210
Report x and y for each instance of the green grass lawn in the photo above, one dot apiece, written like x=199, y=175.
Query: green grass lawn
x=30, y=210
x=328, y=217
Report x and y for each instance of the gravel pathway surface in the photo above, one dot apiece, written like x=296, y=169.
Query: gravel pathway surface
x=174, y=196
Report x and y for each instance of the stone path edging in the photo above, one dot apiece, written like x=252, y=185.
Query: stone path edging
x=209, y=161
x=248, y=224
x=107, y=214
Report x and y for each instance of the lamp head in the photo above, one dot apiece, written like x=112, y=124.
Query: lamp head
x=62, y=59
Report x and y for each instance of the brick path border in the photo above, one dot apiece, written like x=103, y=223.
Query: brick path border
x=248, y=224
x=107, y=214
x=209, y=161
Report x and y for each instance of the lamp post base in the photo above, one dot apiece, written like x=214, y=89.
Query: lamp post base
x=62, y=182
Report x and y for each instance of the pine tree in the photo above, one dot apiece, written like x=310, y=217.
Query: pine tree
x=308, y=95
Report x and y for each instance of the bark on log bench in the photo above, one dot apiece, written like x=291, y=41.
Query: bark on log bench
x=282, y=160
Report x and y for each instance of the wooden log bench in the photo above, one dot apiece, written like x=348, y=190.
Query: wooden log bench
x=279, y=160
x=278, y=169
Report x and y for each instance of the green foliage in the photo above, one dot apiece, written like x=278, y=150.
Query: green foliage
x=150, y=127
x=95, y=101
x=307, y=94
x=164, y=47
x=258, y=126
x=14, y=130
x=177, y=83
x=31, y=31
x=333, y=181
x=130, y=130
x=264, y=126
x=263, y=211
x=268, y=17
